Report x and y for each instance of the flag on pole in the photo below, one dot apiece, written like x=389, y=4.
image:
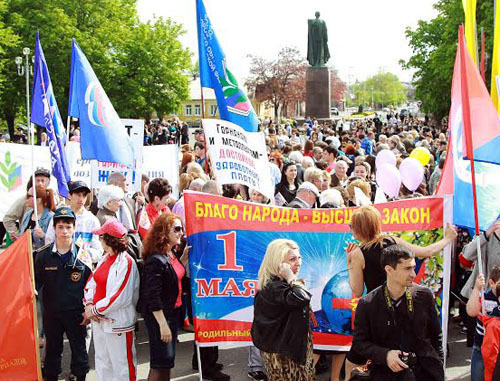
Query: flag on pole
x=19, y=354
x=103, y=136
x=495, y=61
x=45, y=113
x=470, y=27
x=234, y=105
x=456, y=178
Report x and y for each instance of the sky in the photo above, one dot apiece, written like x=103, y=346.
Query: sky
x=364, y=36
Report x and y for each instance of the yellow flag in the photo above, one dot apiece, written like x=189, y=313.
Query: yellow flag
x=470, y=27
x=495, y=62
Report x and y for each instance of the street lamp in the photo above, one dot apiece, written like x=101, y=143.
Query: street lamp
x=26, y=70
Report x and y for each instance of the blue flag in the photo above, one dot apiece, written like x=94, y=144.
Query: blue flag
x=233, y=103
x=45, y=113
x=103, y=136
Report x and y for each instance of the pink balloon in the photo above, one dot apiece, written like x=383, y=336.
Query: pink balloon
x=385, y=156
x=389, y=179
x=412, y=173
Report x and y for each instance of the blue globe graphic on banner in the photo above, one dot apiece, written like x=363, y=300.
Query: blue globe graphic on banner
x=338, y=291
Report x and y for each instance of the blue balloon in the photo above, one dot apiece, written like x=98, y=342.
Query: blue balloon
x=338, y=288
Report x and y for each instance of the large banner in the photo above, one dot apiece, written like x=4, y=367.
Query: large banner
x=229, y=240
x=15, y=171
x=238, y=156
x=157, y=161
x=19, y=352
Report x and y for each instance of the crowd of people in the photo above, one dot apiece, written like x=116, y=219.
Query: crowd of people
x=104, y=257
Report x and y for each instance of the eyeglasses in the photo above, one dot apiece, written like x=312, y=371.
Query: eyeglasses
x=28, y=196
x=178, y=229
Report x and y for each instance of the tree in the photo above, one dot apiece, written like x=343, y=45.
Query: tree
x=7, y=39
x=278, y=83
x=338, y=88
x=380, y=89
x=113, y=39
x=434, y=45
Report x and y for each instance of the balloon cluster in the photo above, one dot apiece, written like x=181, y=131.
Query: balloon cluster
x=410, y=173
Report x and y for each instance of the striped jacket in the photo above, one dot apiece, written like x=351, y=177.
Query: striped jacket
x=122, y=294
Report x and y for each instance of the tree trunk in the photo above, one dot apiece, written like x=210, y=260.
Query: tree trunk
x=10, y=119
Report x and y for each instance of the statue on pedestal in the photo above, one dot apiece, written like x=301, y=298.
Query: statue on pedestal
x=317, y=42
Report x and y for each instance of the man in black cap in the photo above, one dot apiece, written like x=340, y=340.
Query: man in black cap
x=61, y=277
x=86, y=222
x=16, y=212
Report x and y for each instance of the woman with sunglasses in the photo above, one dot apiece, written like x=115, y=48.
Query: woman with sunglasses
x=161, y=292
x=110, y=298
x=45, y=208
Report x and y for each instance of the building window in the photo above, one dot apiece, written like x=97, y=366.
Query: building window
x=213, y=110
x=189, y=110
x=197, y=110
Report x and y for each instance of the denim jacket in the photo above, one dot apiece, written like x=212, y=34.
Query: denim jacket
x=44, y=220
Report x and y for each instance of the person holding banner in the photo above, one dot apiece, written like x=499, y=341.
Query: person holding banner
x=161, y=292
x=282, y=314
x=111, y=295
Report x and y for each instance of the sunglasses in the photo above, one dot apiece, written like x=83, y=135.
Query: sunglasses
x=178, y=229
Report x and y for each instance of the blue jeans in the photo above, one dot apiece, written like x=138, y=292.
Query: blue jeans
x=254, y=360
x=477, y=364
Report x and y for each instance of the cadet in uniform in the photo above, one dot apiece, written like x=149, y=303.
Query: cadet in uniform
x=61, y=277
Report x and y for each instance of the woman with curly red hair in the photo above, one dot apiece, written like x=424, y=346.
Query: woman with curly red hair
x=161, y=292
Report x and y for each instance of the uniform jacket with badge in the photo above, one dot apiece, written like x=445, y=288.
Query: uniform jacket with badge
x=61, y=283
x=122, y=294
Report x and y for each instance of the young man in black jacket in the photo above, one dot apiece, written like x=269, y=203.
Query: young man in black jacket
x=397, y=326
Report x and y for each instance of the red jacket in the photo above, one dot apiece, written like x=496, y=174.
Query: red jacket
x=147, y=217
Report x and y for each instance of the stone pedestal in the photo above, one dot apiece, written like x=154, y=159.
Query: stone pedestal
x=318, y=92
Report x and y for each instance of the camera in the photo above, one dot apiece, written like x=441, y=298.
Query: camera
x=409, y=359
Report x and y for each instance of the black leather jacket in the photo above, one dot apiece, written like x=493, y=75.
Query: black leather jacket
x=377, y=330
x=281, y=319
x=159, y=285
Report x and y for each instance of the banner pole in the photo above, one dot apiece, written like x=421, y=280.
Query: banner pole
x=198, y=355
x=33, y=186
x=466, y=116
x=35, y=316
x=68, y=123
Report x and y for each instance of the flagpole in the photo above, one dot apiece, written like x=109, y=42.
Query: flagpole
x=68, y=122
x=469, y=148
x=482, y=64
x=33, y=185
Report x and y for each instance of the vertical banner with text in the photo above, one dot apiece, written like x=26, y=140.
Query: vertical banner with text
x=229, y=240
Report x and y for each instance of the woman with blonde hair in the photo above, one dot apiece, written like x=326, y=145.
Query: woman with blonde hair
x=281, y=327
x=363, y=261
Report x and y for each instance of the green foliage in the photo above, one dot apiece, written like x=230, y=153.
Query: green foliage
x=142, y=67
x=434, y=45
x=382, y=88
x=7, y=39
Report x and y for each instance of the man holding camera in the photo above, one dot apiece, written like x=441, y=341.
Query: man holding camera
x=397, y=326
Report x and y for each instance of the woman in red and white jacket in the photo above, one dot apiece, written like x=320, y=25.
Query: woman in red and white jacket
x=111, y=295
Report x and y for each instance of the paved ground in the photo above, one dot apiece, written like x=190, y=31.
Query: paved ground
x=235, y=359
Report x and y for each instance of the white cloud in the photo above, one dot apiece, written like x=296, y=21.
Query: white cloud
x=364, y=35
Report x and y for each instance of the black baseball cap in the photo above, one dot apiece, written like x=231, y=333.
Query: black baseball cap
x=42, y=172
x=75, y=186
x=64, y=212
x=198, y=131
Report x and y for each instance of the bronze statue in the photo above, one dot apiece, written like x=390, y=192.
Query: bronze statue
x=317, y=43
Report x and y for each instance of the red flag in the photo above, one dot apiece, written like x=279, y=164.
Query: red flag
x=19, y=357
